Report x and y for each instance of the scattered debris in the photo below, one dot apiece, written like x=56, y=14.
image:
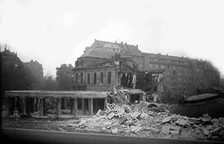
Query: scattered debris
x=166, y=119
x=165, y=129
x=114, y=131
x=141, y=119
x=175, y=129
x=121, y=96
x=181, y=122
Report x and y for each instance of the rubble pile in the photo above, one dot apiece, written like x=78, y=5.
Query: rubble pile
x=119, y=97
x=151, y=120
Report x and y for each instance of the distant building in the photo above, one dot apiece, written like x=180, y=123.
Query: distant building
x=107, y=64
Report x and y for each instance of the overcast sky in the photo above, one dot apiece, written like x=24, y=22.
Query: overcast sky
x=55, y=32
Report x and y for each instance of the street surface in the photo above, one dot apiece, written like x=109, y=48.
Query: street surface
x=41, y=136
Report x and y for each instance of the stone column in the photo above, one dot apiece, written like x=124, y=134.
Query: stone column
x=83, y=106
x=24, y=106
x=15, y=104
x=90, y=100
x=58, y=112
x=75, y=106
x=15, y=112
x=34, y=101
x=105, y=103
x=71, y=105
x=38, y=104
x=41, y=106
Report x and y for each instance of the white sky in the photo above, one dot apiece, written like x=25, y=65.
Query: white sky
x=55, y=32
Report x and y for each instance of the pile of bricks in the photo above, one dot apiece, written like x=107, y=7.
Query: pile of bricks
x=152, y=120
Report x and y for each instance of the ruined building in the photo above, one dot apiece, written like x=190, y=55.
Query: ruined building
x=107, y=64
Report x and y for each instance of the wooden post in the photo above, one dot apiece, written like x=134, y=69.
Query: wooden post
x=90, y=106
x=41, y=106
x=24, y=106
x=58, y=107
x=75, y=106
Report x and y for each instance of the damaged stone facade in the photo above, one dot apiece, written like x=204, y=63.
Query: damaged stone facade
x=103, y=76
x=99, y=69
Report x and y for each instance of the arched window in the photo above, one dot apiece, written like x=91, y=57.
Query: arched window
x=76, y=77
x=88, y=78
x=101, y=77
x=81, y=77
x=109, y=77
x=94, y=78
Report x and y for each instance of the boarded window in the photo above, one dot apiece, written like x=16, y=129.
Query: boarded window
x=101, y=77
x=109, y=78
x=88, y=79
x=94, y=78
